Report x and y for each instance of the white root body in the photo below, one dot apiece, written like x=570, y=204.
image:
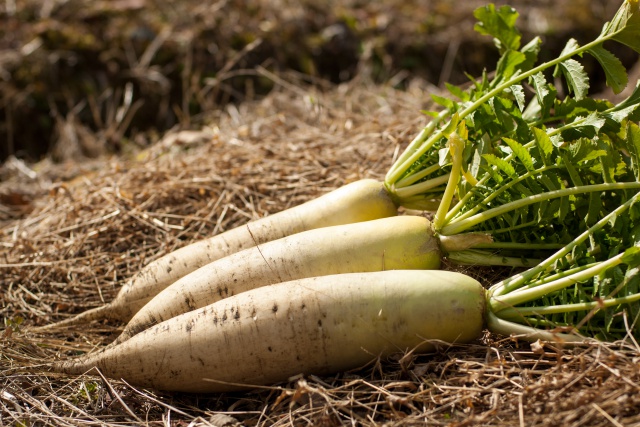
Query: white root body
x=358, y=201
x=396, y=243
x=316, y=325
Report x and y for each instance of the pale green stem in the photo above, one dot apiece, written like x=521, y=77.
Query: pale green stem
x=560, y=275
x=504, y=327
x=456, y=146
x=494, y=194
x=519, y=312
x=460, y=226
x=398, y=168
x=424, y=186
x=405, y=182
x=516, y=246
x=512, y=299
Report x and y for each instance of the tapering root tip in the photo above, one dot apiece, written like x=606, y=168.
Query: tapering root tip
x=78, y=366
x=103, y=312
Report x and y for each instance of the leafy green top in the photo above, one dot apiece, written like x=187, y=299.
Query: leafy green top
x=527, y=171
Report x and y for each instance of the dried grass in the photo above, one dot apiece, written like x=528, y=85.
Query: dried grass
x=84, y=229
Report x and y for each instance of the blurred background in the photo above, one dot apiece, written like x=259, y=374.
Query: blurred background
x=84, y=78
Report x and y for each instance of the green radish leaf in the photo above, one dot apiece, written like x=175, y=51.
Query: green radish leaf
x=584, y=151
x=608, y=162
x=531, y=51
x=520, y=152
x=573, y=72
x=457, y=91
x=480, y=147
x=576, y=180
x=501, y=164
x=551, y=181
x=616, y=74
x=595, y=206
x=633, y=144
x=576, y=78
x=621, y=114
x=545, y=93
x=565, y=207
x=518, y=94
x=557, y=140
x=500, y=24
x=445, y=102
x=508, y=66
x=533, y=111
x=631, y=257
x=433, y=114
x=625, y=25
x=544, y=144
x=505, y=114
x=633, y=99
x=626, y=108
x=588, y=127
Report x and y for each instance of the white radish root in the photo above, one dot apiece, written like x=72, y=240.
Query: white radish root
x=318, y=325
x=362, y=200
x=395, y=243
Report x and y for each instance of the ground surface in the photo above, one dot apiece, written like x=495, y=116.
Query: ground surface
x=72, y=232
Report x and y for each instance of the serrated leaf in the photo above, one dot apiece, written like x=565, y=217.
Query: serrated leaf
x=457, y=91
x=625, y=25
x=545, y=93
x=633, y=146
x=479, y=148
x=576, y=78
x=533, y=111
x=508, y=66
x=594, y=154
x=616, y=74
x=518, y=94
x=531, y=51
x=520, y=152
x=631, y=256
x=501, y=164
x=557, y=140
x=627, y=105
x=500, y=24
x=445, y=102
x=621, y=114
x=587, y=127
x=433, y=114
x=544, y=144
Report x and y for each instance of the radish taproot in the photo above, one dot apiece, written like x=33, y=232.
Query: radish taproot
x=358, y=201
x=315, y=325
x=395, y=243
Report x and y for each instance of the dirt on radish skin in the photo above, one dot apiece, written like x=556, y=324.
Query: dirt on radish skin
x=316, y=325
x=395, y=243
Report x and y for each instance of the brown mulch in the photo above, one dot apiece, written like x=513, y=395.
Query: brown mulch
x=71, y=234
